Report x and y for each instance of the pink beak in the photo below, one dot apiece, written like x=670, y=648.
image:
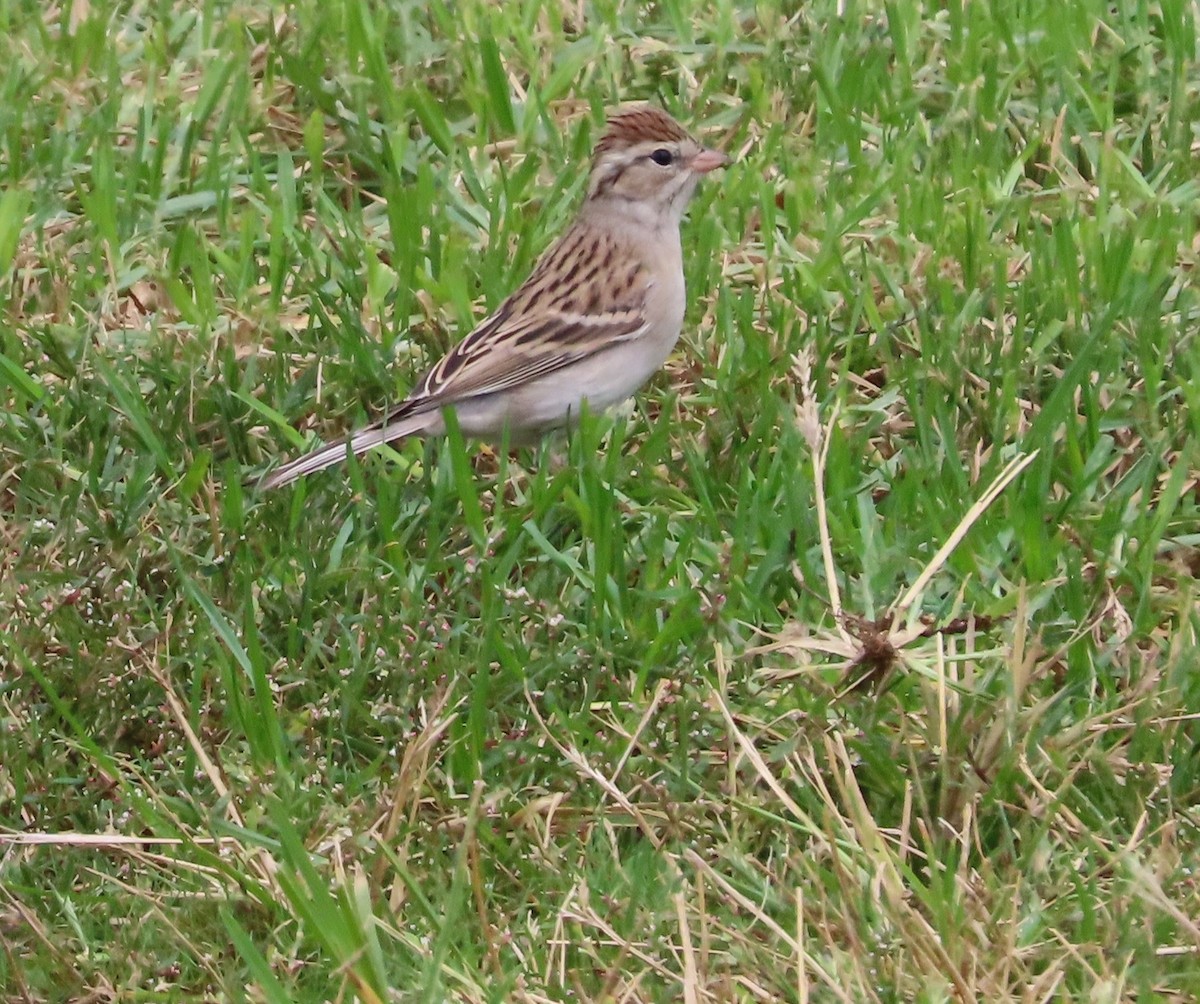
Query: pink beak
x=709, y=160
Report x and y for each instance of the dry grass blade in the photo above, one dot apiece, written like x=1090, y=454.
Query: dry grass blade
x=580, y=762
x=262, y=861
x=760, y=765
x=901, y=609
x=808, y=421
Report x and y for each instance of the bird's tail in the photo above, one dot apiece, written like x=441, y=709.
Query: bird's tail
x=333, y=453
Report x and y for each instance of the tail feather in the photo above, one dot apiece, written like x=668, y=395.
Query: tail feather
x=335, y=452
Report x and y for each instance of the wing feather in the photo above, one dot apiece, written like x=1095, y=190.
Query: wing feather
x=577, y=302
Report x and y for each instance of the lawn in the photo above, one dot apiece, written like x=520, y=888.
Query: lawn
x=857, y=661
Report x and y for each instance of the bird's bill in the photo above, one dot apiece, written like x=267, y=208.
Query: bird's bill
x=709, y=160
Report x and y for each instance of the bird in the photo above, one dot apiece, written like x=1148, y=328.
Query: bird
x=596, y=318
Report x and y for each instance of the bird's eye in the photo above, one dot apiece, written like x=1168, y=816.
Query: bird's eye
x=662, y=157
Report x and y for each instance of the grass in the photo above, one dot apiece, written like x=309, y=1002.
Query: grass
x=762, y=694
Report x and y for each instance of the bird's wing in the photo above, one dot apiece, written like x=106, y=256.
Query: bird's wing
x=584, y=296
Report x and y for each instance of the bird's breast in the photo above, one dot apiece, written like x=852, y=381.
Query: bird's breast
x=666, y=298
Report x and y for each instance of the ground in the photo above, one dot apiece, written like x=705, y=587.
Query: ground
x=856, y=662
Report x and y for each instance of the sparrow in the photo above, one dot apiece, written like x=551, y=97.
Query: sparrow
x=596, y=318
